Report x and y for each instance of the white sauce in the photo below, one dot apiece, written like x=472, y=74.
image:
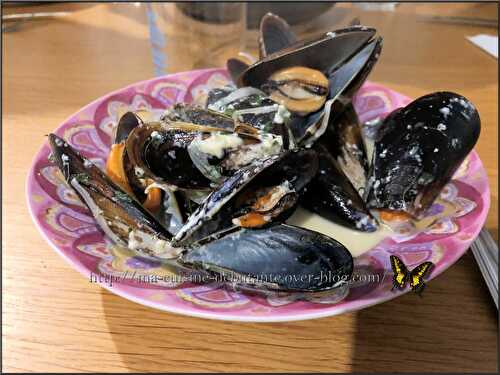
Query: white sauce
x=235, y=95
x=139, y=172
x=161, y=248
x=281, y=115
x=217, y=143
x=356, y=242
x=269, y=144
x=445, y=111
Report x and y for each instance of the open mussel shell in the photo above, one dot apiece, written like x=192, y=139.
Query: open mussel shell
x=119, y=215
x=419, y=149
x=251, y=106
x=197, y=115
x=345, y=142
x=127, y=123
x=161, y=154
x=247, y=105
x=263, y=192
x=343, y=82
x=280, y=258
x=275, y=35
x=324, y=54
x=222, y=154
x=348, y=77
x=331, y=195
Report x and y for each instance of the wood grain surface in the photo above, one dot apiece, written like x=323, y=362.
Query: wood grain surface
x=55, y=320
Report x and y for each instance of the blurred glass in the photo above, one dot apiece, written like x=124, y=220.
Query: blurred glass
x=187, y=36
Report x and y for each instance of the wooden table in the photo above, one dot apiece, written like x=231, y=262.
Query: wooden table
x=54, y=320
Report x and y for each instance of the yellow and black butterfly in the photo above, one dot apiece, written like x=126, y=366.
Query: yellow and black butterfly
x=415, y=276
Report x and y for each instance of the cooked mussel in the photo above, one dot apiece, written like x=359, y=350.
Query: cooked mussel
x=347, y=78
x=308, y=77
x=280, y=258
x=343, y=83
x=263, y=192
x=344, y=140
x=419, y=149
x=196, y=115
x=220, y=155
x=251, y=106
x=193, y=157
x=301, y=90
x=324, y=53
x=120, y=216
x=161, y=154
x=331, y=195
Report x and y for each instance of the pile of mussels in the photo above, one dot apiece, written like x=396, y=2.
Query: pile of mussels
x=209, y=189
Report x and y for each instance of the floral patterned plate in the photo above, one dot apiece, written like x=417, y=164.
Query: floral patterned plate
x=70, y=229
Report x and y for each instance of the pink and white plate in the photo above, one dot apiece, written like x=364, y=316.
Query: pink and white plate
x=70, y=229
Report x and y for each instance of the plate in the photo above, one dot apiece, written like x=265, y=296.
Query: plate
x=69, y=228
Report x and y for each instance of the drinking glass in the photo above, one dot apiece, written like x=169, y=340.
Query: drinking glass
x=186, y=36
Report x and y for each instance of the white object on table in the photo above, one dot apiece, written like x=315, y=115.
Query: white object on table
x=485, y=251
x=487, y=42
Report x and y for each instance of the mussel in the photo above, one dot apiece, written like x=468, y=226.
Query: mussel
x=251, y=106
x=196, y=115
x=419, y=149
x=331, y=195
x=121, y=217
x=161, y=153
x=193, y=157
x=345, y=142
x=324, y=53
x=263, y=192
x=308, y=77
x=279, y=258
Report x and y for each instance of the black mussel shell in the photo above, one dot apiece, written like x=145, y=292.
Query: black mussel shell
x=344, y=81
x=231, y=199
x=330, y=194
x=250, y=106
x=197, y=115
x=126, y=124
x=280, y=257
x=257, y=109
x=218, y=93
x=348, y=77
x=236, y=68
x=162, y=155
x=275, y=35
x=245, y=99
x=345, y=142
x=325, y=54
x=419, y=149
x=175, y=209
x=117, y=213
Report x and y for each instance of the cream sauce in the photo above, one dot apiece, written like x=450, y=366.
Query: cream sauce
x=355, y=241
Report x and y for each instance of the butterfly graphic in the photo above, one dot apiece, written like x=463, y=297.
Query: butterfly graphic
x=415, y=276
